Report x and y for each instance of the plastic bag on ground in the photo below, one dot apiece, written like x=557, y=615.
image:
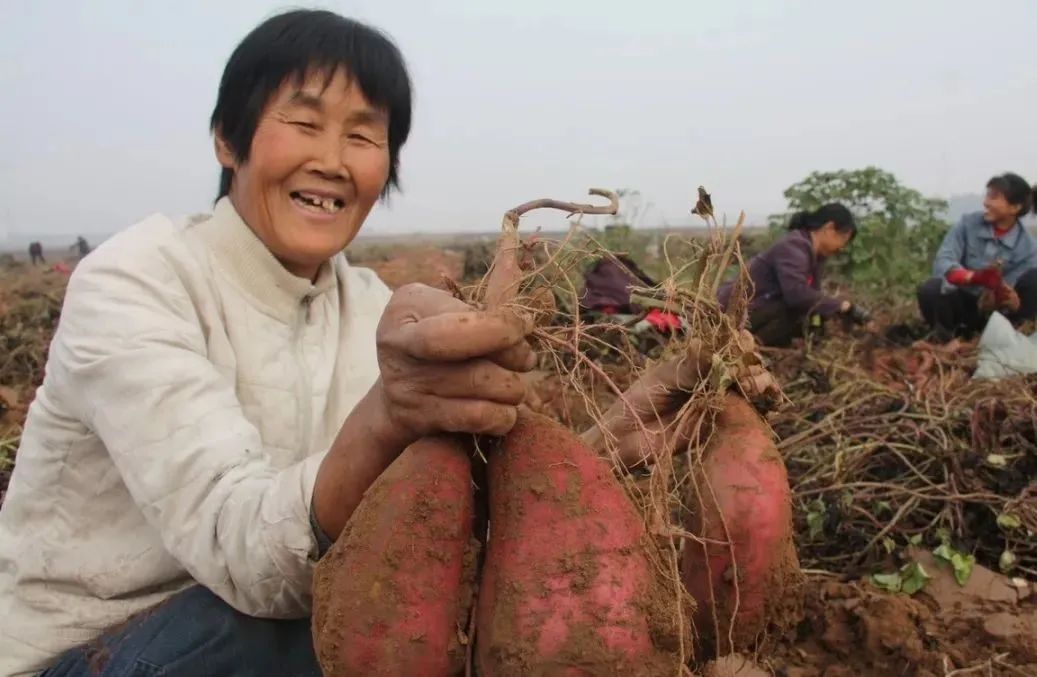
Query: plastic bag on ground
x=1005, y=352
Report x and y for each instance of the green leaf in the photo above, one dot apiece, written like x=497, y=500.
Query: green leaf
x=816, y=524
x=1008, y=521
x=816, y=519
x=888, y=582
x=883, y=507
x=914, y=578
x=915, y=540
x=960, y=562
x=944, y=552
x=962, y=567
x=1007, y=561
x=943, y=535
x=889, y=544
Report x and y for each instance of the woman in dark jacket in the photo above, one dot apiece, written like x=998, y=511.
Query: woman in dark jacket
x=786, y=278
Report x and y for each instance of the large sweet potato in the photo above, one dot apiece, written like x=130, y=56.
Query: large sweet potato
x=568, y=587
x=742, y=480
x=390, y=594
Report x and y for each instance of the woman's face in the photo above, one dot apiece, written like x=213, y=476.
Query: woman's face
x=829, y=241
x=318, y=163
x=996, y=209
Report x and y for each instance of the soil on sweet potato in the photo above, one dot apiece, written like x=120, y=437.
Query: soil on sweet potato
x=394, y=592
x=565, y=547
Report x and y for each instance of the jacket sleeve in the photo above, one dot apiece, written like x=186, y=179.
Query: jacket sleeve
x=792, y=267
x=951, y=252
x=130, y=359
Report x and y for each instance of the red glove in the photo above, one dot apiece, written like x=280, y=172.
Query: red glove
x=989, y=278
x=961, y=277
x=663, y=322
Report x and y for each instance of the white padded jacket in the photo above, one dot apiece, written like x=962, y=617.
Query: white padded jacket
x=191, y=390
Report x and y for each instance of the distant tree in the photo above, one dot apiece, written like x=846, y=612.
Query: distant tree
x=899, y=229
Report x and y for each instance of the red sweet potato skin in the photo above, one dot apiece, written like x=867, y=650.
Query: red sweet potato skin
x=742, y=466
x=567, y=587
x=390, y=594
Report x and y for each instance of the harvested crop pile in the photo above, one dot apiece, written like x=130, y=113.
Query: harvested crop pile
x=889, y=446
x=722, y=504
x=600, y=597
x=559, y=595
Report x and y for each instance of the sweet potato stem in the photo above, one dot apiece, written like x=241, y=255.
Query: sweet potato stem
x=505, y=275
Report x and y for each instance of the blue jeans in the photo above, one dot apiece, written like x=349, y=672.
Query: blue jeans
x=195, y=633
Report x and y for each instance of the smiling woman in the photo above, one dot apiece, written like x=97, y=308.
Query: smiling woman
x=221, y=392
x=309, y=132
x=318, y=163
x=986, y=263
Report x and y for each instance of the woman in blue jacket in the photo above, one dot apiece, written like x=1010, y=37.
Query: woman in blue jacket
x=987, y=262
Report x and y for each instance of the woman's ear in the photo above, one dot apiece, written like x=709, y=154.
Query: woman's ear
x=224, y=154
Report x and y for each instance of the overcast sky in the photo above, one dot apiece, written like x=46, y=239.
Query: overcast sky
x=105, y=104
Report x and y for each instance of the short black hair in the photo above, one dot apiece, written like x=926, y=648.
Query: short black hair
x=815, y=220
x=293, y=45
x=1015, y=189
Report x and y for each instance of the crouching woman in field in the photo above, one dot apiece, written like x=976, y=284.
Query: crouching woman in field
x=786, y=278
x=987, y=262
x=220, y=393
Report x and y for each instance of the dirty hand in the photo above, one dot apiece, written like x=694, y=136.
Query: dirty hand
x=987, y=302
x=1009, y=299
x=640, y=424
x=446, y=367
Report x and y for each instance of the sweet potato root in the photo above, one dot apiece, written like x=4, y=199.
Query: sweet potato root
x=743, y=470
x=567, y=587
x=392, y=592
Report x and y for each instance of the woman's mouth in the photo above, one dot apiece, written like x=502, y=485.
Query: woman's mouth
x=318, y=204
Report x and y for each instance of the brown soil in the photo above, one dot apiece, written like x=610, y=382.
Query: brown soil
x=855, y=629
x=427, y=265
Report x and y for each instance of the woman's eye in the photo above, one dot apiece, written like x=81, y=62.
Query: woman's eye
x=361, y=138
x=304, y=124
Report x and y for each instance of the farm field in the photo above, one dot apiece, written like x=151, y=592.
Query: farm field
x=915, y=488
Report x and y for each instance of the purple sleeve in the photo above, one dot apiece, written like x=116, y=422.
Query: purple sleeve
x=792, y=265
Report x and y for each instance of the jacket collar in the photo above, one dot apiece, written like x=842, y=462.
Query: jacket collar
x=236, y=250
x=1010, y=239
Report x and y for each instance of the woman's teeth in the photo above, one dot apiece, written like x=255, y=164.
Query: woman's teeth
x=327, y=205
